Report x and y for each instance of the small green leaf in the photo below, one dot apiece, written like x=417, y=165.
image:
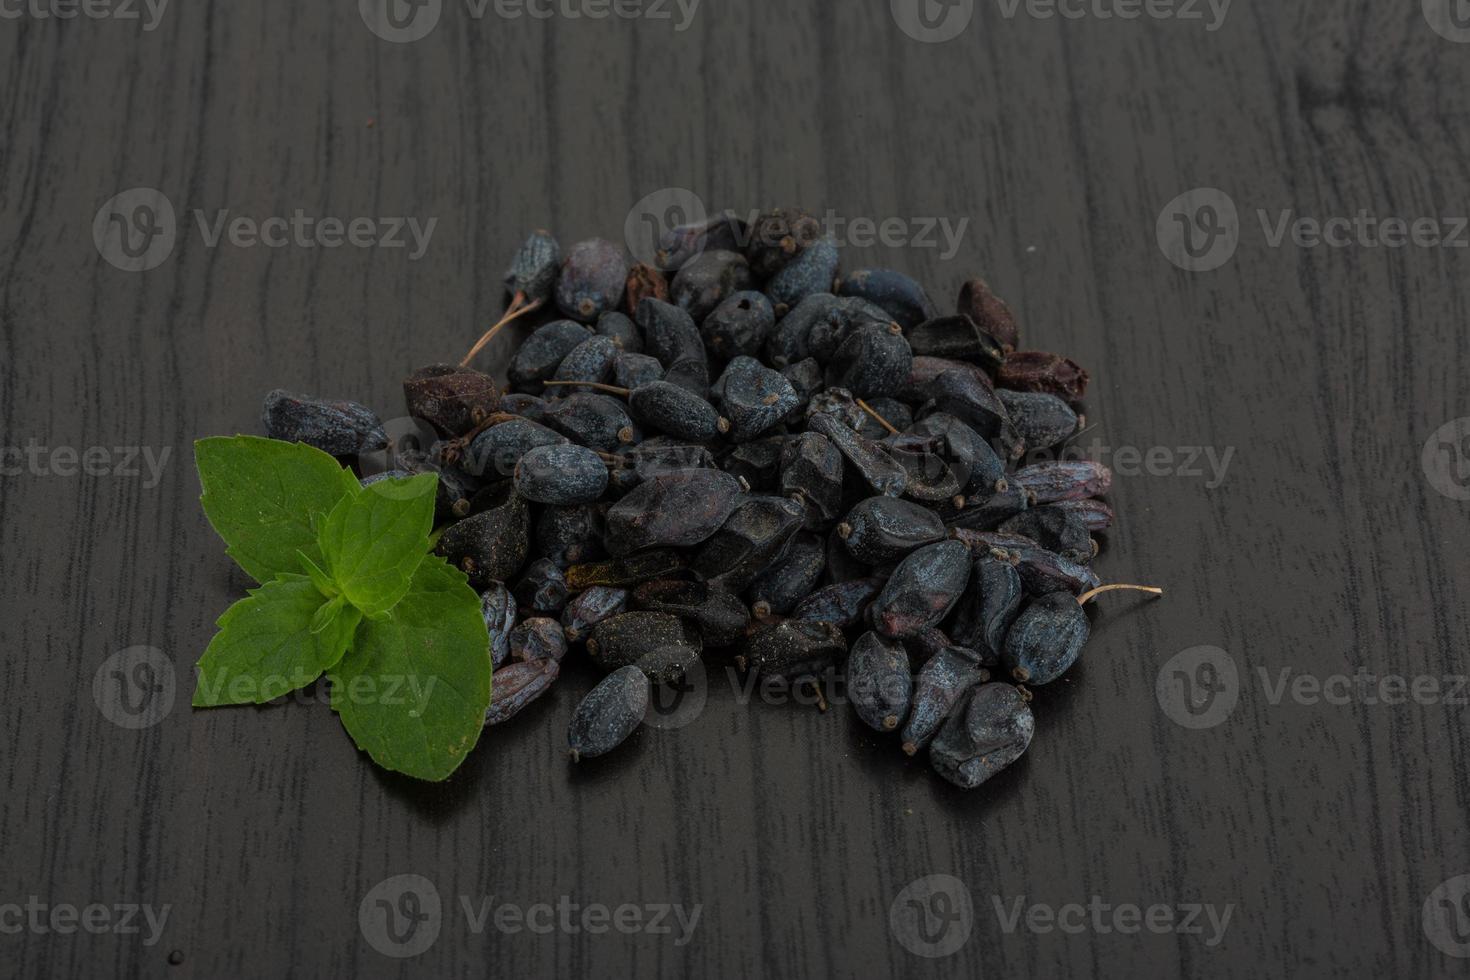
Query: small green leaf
x=414, y=690
x=319, y=578
x=373, y=541
x=262, y=496
x=267, y=646
x=327, y=614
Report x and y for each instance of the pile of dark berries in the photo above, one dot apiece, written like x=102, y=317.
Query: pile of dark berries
x=743, y=454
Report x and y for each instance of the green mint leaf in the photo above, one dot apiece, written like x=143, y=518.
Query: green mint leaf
x=266, y=645
x=263, y=496
x=414, y=690
x=319, y=578
x=373, y=540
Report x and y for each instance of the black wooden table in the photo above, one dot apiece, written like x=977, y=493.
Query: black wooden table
x=1263, y=774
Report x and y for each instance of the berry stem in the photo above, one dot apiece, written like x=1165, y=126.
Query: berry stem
x=881, y=420
x=518, y=308
x=610, y=389
x=1087, y=597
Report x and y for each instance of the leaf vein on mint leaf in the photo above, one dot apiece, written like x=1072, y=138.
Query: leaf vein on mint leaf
x=265, y=646
x=373, y=541
x=414, y=691
x=262, y=496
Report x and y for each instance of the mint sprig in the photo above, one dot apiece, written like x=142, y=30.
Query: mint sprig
x=348, y=589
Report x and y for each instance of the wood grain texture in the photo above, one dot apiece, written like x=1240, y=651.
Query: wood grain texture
x=1324, y=550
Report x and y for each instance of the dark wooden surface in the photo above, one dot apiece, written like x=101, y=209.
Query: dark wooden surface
x=1325, y=549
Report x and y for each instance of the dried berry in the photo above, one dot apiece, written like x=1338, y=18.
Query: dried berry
x=592, y=420
x=592, y=280
x=882, y=529
x=542, y=588
x=811, y=472
x=1046, y=639
x=533, y=271
x=807, y=378
x=988, y=608
x=1096, y=515
x=1048, y=483
x=980, y=471
x=866, y=457
x=611, y=712
x=561, y=475
x=957, y=338
x=498, y=449
x=671, y=335
x=988, y=513
x=838, y=404
x=758, y=463
x=590, y=361
x=943, y=682
x=590, y=608
x=720, y=616
x=517, y=685
x=777, y=237
x=680, y=244
x=664, y=647
x=1047, y=373
x=1042, y=420
x=499, y=609
x=922, y=590
x=338, y=428
x=1054, y=529
x=843, y=604
x=452, y=399
x=791, y=577
x=569, y=535
x=751, y=539
x=538, y=638
x=490, y=546
x=635, y=465
x=792, y=649
x=624, y=572
x=969, y=396
x=899, y=295
x=991, y=730
x=989, y=312
x=753, y=397
x=677, y=411
x=874, y=359
x=787, y=343
x=1045, y=571
x=635, y=370
x=539, y=356
x=527, y=406
x=739, y=325
x=810, y=272
x=884, y=417
x=672, y=510
x=708, y=279
x=879, y=683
